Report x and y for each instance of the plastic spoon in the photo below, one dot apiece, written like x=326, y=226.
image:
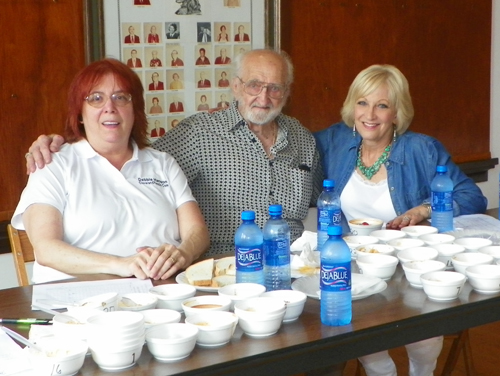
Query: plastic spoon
x=52, y=312
x=57, y=303
x=21, y=339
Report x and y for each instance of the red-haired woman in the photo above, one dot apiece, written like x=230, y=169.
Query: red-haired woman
x=108, y=203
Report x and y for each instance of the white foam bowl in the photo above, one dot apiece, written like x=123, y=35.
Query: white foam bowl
x=404, y=243
x=138, y=302
x=446, y=252
x=294, y=301
x=112, y=359
x=416, y=231
x=492, y=250
x=387, y=235
x=260, y=317
x=215, y=328
x=381, y=266
x=433, y=239
x=153, y=317
x=171, y=342
x=261, y=306
x=103, y=302
x=379, y=248
x=462, y=260
x=66, y=356
x=414, y=269
x=70, y=327
x=171, y=296
x=417, y=254
x=241, y=291
x=118, y=322
x=364, y=226
x=484, y=278
x=206, y=303
x=442, y=285
x=107, y=343
x=473, y=244
x=354, y=241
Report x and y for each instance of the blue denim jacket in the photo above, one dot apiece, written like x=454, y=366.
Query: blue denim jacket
x=410, y=169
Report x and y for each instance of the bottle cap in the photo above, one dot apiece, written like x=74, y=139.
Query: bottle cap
x=327, y=183
x=247, y=215
x=441, y=168
x=334, y=230
x=275, y=210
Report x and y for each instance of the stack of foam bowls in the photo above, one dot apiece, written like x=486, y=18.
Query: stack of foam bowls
x=116, y=339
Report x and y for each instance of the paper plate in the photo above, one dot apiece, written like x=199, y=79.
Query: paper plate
x=310, y=287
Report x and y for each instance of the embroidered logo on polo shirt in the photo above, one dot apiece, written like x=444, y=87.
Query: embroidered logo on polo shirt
x=161, y=183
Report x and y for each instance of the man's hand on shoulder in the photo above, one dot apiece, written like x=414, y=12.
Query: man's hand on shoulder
x=40, y=151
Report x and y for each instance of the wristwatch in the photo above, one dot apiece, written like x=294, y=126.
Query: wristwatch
x=429, y=209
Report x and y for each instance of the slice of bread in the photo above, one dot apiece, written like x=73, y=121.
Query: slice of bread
x=200, y=274
x=223, y=280
x=225, y=266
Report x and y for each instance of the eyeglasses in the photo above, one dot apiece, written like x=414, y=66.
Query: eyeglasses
x=255, y=87
x=98, y=100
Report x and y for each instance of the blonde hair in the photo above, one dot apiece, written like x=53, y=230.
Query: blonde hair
x=368, y=80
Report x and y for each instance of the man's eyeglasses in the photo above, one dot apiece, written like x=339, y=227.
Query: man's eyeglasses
x=255, y=87
x=98, y=100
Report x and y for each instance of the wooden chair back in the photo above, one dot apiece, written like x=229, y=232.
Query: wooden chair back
x=22, y=251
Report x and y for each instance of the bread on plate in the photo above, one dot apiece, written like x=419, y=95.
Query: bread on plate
x=223, y=280
x=225, y=266
x=201, y=273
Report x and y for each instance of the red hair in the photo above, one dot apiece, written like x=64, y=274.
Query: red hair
x=88, y=78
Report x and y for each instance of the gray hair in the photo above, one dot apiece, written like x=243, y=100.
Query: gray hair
x=239, y=60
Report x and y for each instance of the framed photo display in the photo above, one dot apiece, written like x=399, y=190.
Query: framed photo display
x=183, y=50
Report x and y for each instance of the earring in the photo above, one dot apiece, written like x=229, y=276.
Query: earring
x=354, y=130
x=395, y=134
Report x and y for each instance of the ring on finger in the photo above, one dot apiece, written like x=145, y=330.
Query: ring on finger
x=173, y=259
x=27, y=155
x=406, y=218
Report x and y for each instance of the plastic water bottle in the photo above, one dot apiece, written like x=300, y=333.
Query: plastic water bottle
x=248, y=251
x=442, y=200
x=335, y=280
x=328, y=211
x=276, y=231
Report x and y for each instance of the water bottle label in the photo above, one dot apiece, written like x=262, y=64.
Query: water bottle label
x=249, y=259
x=277, y=252
x=327, y=217
x=442, y=201
x=335, y=277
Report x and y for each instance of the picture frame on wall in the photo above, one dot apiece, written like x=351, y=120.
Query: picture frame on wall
x=169, y=42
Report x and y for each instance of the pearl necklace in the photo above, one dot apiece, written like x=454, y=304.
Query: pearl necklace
x=368, y=172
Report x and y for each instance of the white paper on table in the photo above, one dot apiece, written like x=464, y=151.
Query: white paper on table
x=477, y=222
x=73, y=292
x=13, y=359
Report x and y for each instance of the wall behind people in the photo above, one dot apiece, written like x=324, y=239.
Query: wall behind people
x=42, y=49
x=448, y=66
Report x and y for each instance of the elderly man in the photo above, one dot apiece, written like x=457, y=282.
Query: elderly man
x=245, y=157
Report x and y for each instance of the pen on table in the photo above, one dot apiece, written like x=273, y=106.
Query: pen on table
x=26, y=321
